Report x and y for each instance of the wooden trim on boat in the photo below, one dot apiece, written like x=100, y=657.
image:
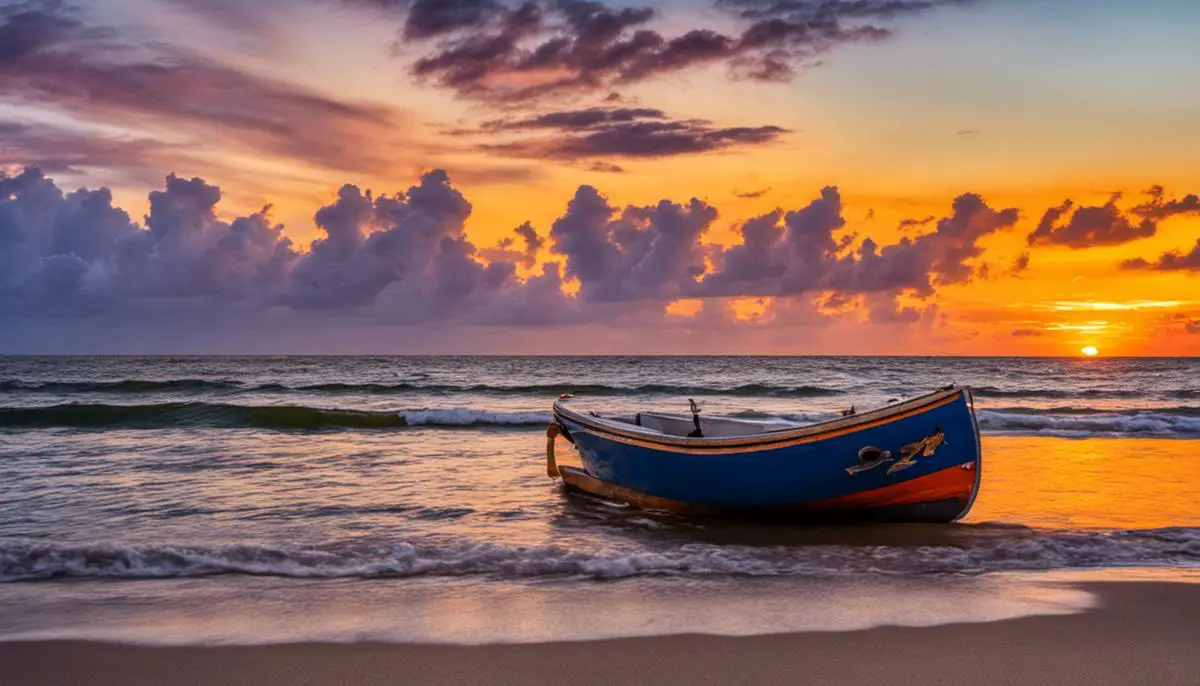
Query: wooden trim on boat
x=772, y=440
x=577, y=478
x=978, y=461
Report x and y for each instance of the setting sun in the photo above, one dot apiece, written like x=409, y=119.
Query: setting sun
x=1090, y=351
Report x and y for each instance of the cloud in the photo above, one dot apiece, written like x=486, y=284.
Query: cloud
x=616, y=132
x=400, y=258
x=1027, y=333
x=797, y=252
x=591, y=118
x=253, y=18
x=750, y=195
x=1175, y=261
x=502, y=51
x=1158, y=208
x=1193, y=326
x=50, y=57
x=60, y=150
x=508, y=249
x=1090, y=226
x=431, y=18
x=911, y=223
x=77, y=252
x=606, y=167
x=639, y=253
x=404, y=258
x=1019, y=265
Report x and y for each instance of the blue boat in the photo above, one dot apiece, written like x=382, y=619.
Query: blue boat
x=913, y=461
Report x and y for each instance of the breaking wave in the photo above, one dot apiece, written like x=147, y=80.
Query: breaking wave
x=33, y=561
x=1175, y=422
x=168, y=415
x=549, y=389
x=124, y=386
x=1181, y=422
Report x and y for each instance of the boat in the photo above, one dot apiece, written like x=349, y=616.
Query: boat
x=913, y=461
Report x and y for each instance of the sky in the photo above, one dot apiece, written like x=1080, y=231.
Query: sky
x=912, y=177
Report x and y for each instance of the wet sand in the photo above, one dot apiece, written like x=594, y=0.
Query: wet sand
x=1141, y=632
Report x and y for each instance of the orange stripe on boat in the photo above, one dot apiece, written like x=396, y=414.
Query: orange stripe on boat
x=956, y=482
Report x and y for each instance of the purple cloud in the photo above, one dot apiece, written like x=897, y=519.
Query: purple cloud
x=1090, y=226
x=503, y=51
x=50, y=57
x=618, y=132
x=1175, y=261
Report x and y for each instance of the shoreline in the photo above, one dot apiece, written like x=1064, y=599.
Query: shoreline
x=1139, y=632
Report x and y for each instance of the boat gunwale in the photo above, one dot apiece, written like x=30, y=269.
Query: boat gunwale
x=812, y=432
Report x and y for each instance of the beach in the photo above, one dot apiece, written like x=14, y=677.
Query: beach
x=1139, y=633
x=389, y=520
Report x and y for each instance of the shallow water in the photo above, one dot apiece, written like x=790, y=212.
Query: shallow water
x=207, y=492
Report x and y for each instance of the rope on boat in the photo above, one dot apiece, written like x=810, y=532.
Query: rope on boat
x=552, y=433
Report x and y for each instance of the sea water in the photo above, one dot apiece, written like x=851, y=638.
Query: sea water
x=259, y=499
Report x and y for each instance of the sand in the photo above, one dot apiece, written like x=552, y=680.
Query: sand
x=1142, y=633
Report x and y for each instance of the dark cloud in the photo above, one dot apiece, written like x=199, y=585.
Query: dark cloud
x=1158, y=208
x=1090, y=226
x=816, y=10
x=509, y=51
x=910, y=223
x=1193, y=326
x=49, y=57
x=1020, y=264
x=1175, y=261
x=750, y=195
x=643, y=139
x=606, y=168
x=628, y=133
x=590, y=118
x=1027, y=333
x=429, y=18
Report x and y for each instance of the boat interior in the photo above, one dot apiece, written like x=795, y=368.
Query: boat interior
x=684, y=426
x=675, y=426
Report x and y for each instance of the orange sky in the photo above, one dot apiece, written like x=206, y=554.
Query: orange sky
x=1024, y=105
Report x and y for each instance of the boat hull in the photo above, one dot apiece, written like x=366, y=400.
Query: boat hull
x=926, y=467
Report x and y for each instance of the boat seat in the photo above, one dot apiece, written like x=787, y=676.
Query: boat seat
x=713, y=427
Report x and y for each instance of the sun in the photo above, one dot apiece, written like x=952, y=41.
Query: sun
x=1090, y=351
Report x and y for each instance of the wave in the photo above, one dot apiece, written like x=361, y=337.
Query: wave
x=124, y=386
x=1072, y=422
x=1052, y=394
x=1181, y=410
x=549, y=389
x=171, y=415
x=1181, y=423
x=33, y=561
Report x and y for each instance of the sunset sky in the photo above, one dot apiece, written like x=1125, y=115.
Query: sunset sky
x=980, y=177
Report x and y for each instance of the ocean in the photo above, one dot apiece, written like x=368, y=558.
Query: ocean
x=267, y=499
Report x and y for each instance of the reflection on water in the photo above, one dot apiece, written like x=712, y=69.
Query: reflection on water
x=258, y=611
x=1123, y=483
